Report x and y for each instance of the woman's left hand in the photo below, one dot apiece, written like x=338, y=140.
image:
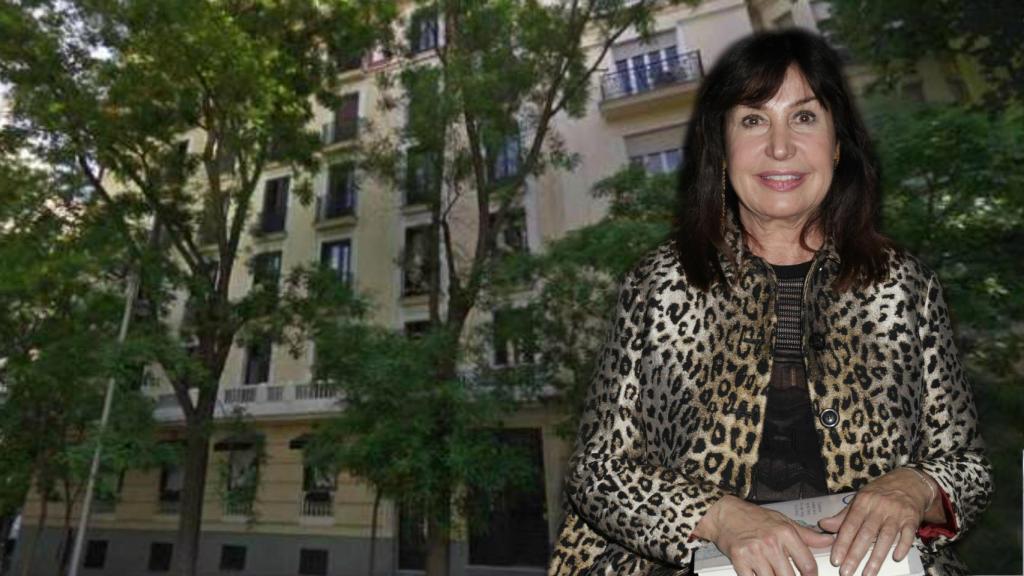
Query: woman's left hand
x=887, y=510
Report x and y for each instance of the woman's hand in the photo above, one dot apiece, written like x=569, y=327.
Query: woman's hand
x=888, y=508
x=761, y=541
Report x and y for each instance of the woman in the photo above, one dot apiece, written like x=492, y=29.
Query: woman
x=776, y=347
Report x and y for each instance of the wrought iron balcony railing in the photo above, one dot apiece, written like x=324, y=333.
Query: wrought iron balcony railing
x=686, y=67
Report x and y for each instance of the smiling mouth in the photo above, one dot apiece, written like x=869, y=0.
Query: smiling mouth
x=781, y=182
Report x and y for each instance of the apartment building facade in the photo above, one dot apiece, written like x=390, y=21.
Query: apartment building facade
x=303, y=521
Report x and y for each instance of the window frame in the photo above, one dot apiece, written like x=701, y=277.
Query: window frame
x=310, y=567
x=232, y=557
x=94, y=548
x=160, y=556
x=408, y=254
x=345, y=275
x=265, y=362
x=274, y=215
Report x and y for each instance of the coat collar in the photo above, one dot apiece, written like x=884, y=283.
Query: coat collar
x=736, y=258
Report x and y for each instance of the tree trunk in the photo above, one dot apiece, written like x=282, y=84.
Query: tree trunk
x=6, y=524
x=30, y=550
x=438, y=535
x=373, y=531
x=193, y=488
x=63, y=551
x=437, y=547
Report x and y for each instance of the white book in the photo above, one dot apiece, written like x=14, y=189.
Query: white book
x=710, y=561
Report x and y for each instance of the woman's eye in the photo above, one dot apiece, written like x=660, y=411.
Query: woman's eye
x=806, y=117
x=750, y=121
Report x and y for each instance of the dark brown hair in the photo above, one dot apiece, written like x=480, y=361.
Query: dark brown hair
x=750, y=72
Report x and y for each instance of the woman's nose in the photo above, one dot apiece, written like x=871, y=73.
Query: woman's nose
x=780, y=144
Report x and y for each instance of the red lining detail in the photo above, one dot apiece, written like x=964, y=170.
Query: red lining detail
x=930, y=531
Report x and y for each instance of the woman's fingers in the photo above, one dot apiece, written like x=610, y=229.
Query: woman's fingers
x=779, y=557
x=886, y=536
x=801, y=554
x=858, y=548
x=906, y=541
x=814, y=539
x=832, y=523
x=852, y=522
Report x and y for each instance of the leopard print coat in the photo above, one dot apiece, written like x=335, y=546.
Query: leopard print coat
x=673, y=415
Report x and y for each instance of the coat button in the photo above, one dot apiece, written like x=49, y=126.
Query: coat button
x=818, y=341
x=829, y=417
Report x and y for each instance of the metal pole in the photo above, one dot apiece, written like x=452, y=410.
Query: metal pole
x=108, y=400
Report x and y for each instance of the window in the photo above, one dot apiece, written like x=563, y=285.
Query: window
x=415, y=261
x=420, y=178
x=659, y=162
x=511, y=234
x=659, y=151
x=341, y=192
x=513, y=339
x=266, y=270
x=517, y=533
x=177, y=171
x=345, y=125
x=504, y=158
x=95, y=554
x=275, y=205
x=242, y=467
x=160, y=556
x=640, y=67
x=318, y=485
x=171, y=481
x=423, y=94
x=337, y=256
x=412, y=537
x=423, y=30
x=312, y=562
x=232, y=558
x=225, y=158
x=416, y=328
x=107, y=491
x=257, y=362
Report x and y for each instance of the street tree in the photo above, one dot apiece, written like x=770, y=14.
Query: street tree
x=482, y=83
x=61, y=295
x=893, y=36
x=113, y=88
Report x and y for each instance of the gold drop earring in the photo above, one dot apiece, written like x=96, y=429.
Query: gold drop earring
x=722, y=195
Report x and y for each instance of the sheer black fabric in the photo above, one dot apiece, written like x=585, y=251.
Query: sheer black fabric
x=790, y=465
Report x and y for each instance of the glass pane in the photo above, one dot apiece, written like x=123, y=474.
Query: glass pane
x=640, y=73
x=622, y=68
x=673, y=158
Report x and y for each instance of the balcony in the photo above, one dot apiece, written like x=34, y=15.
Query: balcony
x=340, y=131
x=270, y=222
x=627, y=92
x=336, y=209
x=317, y=504
x=258, y=400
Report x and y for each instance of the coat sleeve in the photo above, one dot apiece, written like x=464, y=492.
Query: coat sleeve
x=647, y=508
x=950, y=448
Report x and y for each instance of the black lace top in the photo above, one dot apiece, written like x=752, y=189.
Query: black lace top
x=789, y=465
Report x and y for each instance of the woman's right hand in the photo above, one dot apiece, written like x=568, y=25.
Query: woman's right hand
x=760, y=541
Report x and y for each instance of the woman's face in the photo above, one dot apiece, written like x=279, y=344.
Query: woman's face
x=780, y=156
